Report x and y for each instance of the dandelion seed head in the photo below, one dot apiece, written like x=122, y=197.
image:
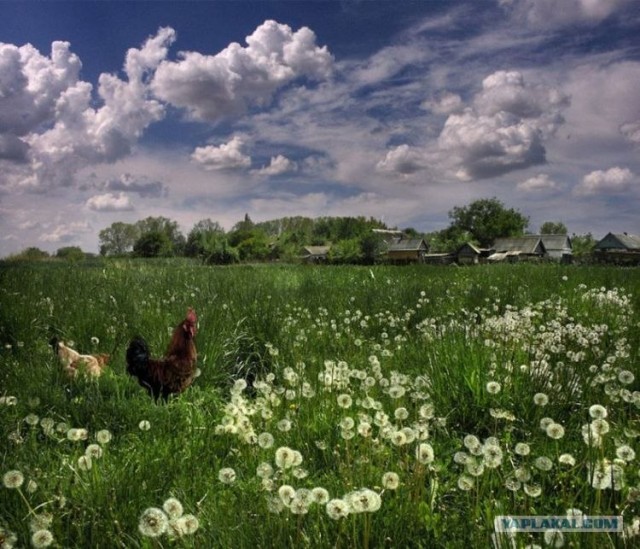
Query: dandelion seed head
x=522, y=449
x=227, y=475
x=553, y=538
x=173, y=508
x=85, y=463
x=465, y=483
x=390, y=480
x=555, y=431
x=153, y=522
x=13, y=479
x=493, y=387
x=93, y=451
x=41, y=538
x=337, y=509
x=567, y=459
x=597, y=411
x=540, y=399
x=319, y=495
x=104, y=436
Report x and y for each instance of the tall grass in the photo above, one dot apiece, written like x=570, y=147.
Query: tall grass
x=476, y=387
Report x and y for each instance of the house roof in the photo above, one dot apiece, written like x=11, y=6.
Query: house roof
x=628, y=241
x=528, y=244
x=556, y=241
x=315, y=250
x=407, y=244
x=473, y=248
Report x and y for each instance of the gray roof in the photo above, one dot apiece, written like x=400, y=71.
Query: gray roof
x=407, y=244
x=315, y=250
x=528, y=244
x=628, y=241
x=556, y=242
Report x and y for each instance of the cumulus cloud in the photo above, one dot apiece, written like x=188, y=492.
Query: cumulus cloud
x=402, y=160
x=229, y=83
x=613, y=180
x=540, y=182
x=52, y=111
x=444, y=103
x=110, y=202
x=631, y=131
x=279, y=165
x=228, y=156
x=66, y=232
x=13, y=148
x=31, y=84
x=545, y=13
x=504, y=127
x=139, y=185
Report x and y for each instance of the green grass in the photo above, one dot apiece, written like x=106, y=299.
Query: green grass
x=414, y=347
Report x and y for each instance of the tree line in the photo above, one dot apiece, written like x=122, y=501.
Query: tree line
x=351, y=239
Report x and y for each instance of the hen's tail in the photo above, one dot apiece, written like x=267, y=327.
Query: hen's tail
x=138, y=358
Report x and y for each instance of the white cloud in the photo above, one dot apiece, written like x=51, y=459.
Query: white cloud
x=66, y=232
x=631, y=131
x=540, y=182
x=279, y=165
x=228, y=156
x=614, y=180
x=226, y=84
x=402, y=160
x=549, y=13
x=110, y=202
x=504, y=128
x=52, y=111
x=444, y=103
x=135, y=184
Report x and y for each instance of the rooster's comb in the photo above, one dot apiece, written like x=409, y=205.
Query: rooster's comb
x=191, y=316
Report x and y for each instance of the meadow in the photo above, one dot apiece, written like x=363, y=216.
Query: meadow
x=386, y=406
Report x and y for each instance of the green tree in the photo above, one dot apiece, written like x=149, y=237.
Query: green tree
x=346, y=251
x=118, y=239
x=551, y=227
x=202, y=237
x=30, y=254
x=221, y=252
x=163, y=225
x=70, y=253
x=582, y=245
x=371, y=247
x=488, y=219
x=153, y=244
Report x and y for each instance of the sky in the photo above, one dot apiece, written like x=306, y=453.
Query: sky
x=401, y=110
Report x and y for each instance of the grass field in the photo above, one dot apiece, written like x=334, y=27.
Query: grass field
x=392, y=406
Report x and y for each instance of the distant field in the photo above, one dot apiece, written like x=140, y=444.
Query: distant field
x=390, y=407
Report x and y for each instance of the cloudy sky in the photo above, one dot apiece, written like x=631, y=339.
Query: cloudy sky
x=115, y=111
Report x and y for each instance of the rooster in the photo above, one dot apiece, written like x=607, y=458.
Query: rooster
x=73, y=363
x=176, y=370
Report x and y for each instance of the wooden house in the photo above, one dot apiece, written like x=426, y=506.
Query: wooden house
x=406, y=250
x=558, y=247
x=517, y=248
x=315, y=254
x=621, y=248
x=469, y=254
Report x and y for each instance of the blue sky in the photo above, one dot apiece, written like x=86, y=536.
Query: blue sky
x=401, y=110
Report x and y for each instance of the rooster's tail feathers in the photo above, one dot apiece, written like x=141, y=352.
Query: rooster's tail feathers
x=137, y=357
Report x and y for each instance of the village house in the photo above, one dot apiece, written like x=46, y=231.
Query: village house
x=315, y=254
x=618, y=248
x=556, y=247
x=406, y=250
x=469, y=254
x=517, y=248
